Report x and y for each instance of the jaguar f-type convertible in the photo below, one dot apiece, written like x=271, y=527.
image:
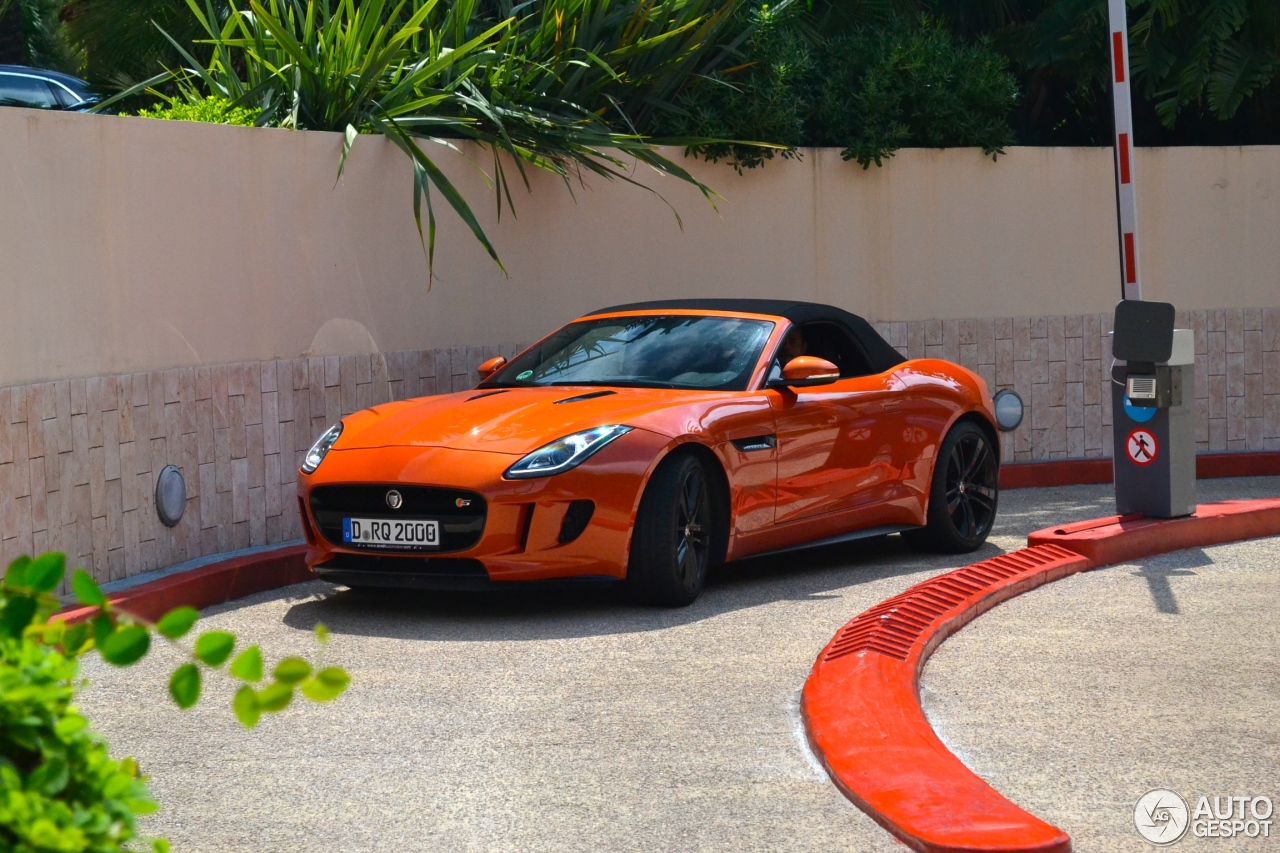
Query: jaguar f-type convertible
x=648, y=443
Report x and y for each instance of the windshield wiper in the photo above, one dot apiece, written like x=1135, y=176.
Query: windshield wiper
x=614, y=383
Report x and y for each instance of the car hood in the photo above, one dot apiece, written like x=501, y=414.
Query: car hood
x=513, y=421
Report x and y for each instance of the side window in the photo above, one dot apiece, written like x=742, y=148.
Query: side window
x=834, y=343
x=21, y=91
x=65, y=96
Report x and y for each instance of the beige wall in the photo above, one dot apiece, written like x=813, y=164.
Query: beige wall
x=132, y=245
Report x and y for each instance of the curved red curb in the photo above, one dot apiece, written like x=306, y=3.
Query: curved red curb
x=1119, y=539
x=861, y=707
x=208, y=585
x=861, y=703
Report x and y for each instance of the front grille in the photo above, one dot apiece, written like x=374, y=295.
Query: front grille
x=460, y=526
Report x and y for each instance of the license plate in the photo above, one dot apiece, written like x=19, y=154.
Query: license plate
x=384, y=533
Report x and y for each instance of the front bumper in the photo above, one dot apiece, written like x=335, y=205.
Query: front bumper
x=575, y=524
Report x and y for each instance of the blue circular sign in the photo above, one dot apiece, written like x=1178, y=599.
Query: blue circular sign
x=1138, y=414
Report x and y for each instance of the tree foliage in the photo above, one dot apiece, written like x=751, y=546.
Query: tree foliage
x=31, y=33
x=878, y=88
x=122, y=40
x=60, y=789
x=1205, y=71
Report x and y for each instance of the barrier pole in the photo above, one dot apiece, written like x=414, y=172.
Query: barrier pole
x=1122, y=104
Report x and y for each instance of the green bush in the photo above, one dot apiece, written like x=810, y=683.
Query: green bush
x=210, y=109
x=912, y=84
x=60, y=790
x=767, y=97
x=905, y=83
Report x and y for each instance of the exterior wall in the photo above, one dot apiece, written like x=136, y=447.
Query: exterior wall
x=79, y=458
x=129, y=245
x=207, y=297
x=1060, y=364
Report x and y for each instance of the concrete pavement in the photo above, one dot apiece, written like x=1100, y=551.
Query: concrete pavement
x=1075, y=699
x=543, y=720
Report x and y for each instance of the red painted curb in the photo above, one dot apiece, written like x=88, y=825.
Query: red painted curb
x=208, y=585
x=1120, y=539
x=861, y=709
x=861, y=703
x=1261, y=464
x=1076, y=472
x=1064, y=472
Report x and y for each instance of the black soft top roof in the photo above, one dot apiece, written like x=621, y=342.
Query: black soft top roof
x=881, y=355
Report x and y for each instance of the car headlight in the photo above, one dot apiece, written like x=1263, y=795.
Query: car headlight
x=316, y=454
x=564, y=453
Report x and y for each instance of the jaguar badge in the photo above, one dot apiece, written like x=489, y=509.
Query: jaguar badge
x=395, y=500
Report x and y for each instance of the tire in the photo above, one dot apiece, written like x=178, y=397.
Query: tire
x=673, y=546
x=963, y=494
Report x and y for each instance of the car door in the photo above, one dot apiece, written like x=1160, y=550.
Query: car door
x=836, y=443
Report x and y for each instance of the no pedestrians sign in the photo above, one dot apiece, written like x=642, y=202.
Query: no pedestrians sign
x=1141, y=447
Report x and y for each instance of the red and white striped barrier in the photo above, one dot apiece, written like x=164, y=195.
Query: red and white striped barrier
x=1126, y=201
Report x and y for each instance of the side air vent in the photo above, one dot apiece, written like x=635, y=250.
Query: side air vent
x=590, y=396
x=756, y=442
x=575, y=520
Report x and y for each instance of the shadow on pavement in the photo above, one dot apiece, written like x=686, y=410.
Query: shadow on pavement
x=550, y=610
x=1158, y=572
x=544, y=611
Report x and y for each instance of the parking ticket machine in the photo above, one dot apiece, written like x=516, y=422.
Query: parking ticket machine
x=1153, y=399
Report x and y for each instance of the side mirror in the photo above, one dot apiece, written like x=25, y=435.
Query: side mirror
x=807, y=371
x=491, y=367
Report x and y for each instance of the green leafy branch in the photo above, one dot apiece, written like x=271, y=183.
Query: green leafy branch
x=123, y=639
x=59, y=787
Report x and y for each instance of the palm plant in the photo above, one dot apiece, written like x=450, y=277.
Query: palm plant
x=424, y=71
x=31, y=34
x=621, y=58
x=124, y=41
x=1186, y=54
x=1221, y=53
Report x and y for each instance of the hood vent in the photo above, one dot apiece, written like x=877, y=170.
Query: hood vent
x=486, y=394
x=590, y=396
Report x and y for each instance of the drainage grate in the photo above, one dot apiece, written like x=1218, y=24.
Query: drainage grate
x=893, y=626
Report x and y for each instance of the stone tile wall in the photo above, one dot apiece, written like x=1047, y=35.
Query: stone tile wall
x=79, y=458
x=1060, y=367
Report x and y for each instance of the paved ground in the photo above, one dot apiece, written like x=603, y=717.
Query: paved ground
x=1077, y=698
x=557, y=721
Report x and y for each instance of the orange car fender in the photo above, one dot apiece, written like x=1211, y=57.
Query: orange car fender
x=663, y=451
x=963, y=393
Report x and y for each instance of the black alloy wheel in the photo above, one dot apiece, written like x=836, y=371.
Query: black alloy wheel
x=693, y=531
x=972, y=488
x=672, y=545
x=964, y=493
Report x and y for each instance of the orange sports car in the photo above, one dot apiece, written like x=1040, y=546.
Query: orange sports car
x=647, y=444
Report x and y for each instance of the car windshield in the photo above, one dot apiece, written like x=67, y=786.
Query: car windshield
x=659, y=351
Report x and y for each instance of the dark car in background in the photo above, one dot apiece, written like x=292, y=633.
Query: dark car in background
x=39, y=89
